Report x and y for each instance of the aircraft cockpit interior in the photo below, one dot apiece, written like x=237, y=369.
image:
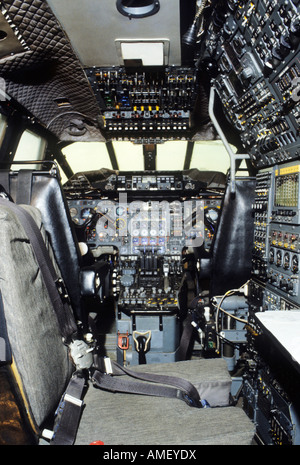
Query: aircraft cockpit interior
x=149, y=224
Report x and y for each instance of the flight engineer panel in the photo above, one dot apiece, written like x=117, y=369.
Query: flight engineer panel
x=254, y=49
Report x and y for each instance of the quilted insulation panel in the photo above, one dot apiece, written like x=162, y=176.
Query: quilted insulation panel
x=48, y=66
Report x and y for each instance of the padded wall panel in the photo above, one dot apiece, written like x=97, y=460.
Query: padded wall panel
x=51, y=68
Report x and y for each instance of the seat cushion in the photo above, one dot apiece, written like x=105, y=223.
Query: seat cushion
x=129, y=419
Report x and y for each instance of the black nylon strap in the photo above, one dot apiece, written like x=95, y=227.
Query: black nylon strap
x=186, y=338
x=141, y=351
x=24, y=187
x=179, y=383
x=176, y=387
x=117, y=384
x=65, y=318
x=69, y=413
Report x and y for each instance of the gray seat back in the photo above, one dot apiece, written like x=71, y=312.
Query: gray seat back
x=40, y=362
x=43, y=190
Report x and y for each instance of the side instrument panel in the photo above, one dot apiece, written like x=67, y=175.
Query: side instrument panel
x=254, y=48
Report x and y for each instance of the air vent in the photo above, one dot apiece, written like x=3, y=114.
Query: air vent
x=62, y=102
x=138, y=8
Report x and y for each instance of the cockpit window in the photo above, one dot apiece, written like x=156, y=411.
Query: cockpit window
x=211, y=156
x=171, y=155
x=3, y=125
x=86, y=156
x=30, y=148
x=129, y=156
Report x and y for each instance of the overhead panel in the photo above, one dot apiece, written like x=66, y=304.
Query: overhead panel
x=133, y=63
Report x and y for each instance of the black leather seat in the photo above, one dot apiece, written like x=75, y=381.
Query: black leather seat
x=230, y=265
x=43, y=190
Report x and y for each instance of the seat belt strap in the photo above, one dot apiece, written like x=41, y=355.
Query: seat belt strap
x=116, y=384
x=175, y=387
x=65, y=318
x=187, y=338
x=24, y=187
x=68, y=413
x=179, y=383
x=142, y=342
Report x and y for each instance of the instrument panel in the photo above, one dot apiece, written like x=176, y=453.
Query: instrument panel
x=255, y=49
x=139, y=225
x=150, y=223
x=134, y=211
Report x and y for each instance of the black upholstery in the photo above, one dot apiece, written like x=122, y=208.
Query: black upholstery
x=232, y=245
x=43, y=190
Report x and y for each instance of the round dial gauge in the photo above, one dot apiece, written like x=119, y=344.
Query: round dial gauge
x=86, y=213
x=73, y=212
x=212, y=214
